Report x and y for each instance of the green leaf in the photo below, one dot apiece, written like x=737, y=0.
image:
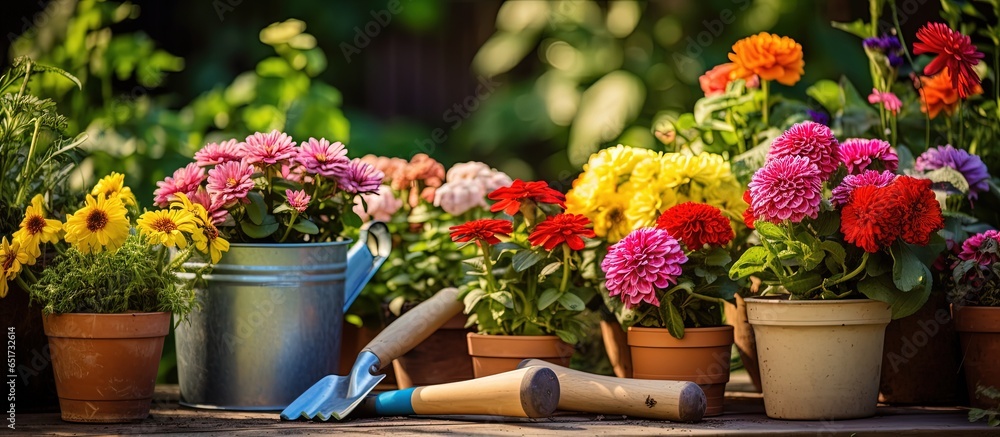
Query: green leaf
x=907, y=270
x=260, y=231
x=472, y=298
x=903, y=303
x=770, y=231
x=257, y=208
x=827, y=223
x=572, y=302
x=836, y=251
x=306, y=227
x=524, y=259
x=281, y=208
x=504, y=297
x=59, y=71
x=672, y=318
x=550, y=269
x=351, y=219
x=859, y=28
x=829, y=94
x=567, y=336
x=548, y=297
x=718, y=257
x=753, y=260
x=800, y=283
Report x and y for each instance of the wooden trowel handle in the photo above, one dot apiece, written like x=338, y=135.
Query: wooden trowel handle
x=679, y=401
x=414, y=326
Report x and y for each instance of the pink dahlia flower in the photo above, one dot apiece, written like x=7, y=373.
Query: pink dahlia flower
x=185, y=180
x=230, y=182
x=319, y=157
x=812, y=141
x=888, y=100
x=973, y=248
x=214, y=207
x=645, y=260
x=360, y=177
x=786, y=188
x=382, y=204
x=268, y=149
x=842, y=193
x=858, y=154
x=217, y=153
x=457, y=196
x=298, y=200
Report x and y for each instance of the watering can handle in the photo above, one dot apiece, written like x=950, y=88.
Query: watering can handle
x=365, y=258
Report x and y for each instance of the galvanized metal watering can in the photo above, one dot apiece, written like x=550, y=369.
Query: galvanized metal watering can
x=270, y=319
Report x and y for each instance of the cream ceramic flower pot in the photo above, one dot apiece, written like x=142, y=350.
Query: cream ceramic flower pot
x=819, y=359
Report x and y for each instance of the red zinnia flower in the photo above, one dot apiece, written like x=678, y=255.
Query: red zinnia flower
x=868, y=220
x=917, y=208
x=481, y=230
x=696, y=224
x=748, y=214
x=510, y=198
x=954, y=51
x=562, y=228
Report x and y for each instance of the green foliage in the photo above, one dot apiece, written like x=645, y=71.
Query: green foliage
x=992, y=415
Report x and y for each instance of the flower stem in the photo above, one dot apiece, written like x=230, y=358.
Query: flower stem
x=565, y=266
x=488, y=265
x=288, y=230
x=765, y=87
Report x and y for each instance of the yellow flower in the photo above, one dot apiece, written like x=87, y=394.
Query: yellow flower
x=208, y=241
x=98, y=225
x=182, y=202
x=169, y=227
x=12, y=257
x=36, y=229
x=610, y=222
x=114, y=185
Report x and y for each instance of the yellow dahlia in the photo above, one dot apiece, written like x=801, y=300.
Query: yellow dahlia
x=12, y=257
x=769, y=56
x=169, y=227
x=114, y=185
x=610, y=222
x=208, y=241
x=99, y=225
x=36, y=229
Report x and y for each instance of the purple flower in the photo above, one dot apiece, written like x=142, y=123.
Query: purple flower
x=360, y=177
x=974, y=248
x=819, y=117
x=971, y=166
x=888, y=46
x=645, y=260
x=842, y=193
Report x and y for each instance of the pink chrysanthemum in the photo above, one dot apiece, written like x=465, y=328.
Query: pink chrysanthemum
x=298, y=200
x=360, y=177
x=842, y=193
x=812, y=141
x=645, y=260
x=214, y=208
x=268, y=149
x=972, y=248
x=185, y=180
x=319, y=157
x=230, y=182
x=860, y=154
x=888, y=100
x=786, y=188
x=217, y=153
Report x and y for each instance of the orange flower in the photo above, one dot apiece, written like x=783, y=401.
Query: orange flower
x=714, y=81
x=769, y=56
x=938, y=93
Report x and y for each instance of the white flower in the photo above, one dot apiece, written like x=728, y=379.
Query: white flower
x=382, y=204
x=458, y=196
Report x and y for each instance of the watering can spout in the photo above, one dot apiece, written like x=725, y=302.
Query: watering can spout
x=365, y=258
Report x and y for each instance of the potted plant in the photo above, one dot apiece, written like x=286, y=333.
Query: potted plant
x=524, y=292
x=419, y=201
x=284, y=207
x=107, y=299
x=37, y=158
x=669, y=285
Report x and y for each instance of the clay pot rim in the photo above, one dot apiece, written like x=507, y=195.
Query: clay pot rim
x=784, y=300
x=107, y=326
x=519, y=337
x=530, y=346
x=817, y=313
x=694, y=338
x=976, y=318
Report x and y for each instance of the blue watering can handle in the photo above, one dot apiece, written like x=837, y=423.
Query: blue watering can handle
x=365, y=258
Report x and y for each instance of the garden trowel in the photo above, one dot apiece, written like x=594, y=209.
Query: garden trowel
x=335, y=396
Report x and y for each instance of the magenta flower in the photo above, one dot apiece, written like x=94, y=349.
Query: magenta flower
x=971, y=166
x=319, y=157
x=217, y=153
x=298, y=200
x=185, y=180
x=860, y=153
x=786, y=188
x=888, y=100
x=215, y=209
x=842, y=193
x=360, y=177
x=268, y=149
x=973, y=248
x=812, y=141
x=230, y=182
x=645, y=260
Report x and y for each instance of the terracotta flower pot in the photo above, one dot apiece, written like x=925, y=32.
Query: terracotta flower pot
x=702, y=357
x=33, y=382
x=979, y=331
x=492, y=354
x=819, y=359
x=105, y=364
x=441, y=358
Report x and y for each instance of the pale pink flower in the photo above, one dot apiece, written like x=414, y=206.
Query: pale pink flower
x=268, y=149
x=487, y=177
x=217, y=153
x=215, y=209
x=787, y=188
x=298, y=200
x=382, y=204
x=294, y=173
x=842, y=193
x=858, y=154
x=319, y=157
x=457, y=196
x=185, y=180
x=888, y=100
x=810, y=140
x=646, y=260
x=360, y=177
x=230, y=182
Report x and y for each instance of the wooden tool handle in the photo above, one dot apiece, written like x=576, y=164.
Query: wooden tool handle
x=527, y=392
x=414, y=326
x=679, y=401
